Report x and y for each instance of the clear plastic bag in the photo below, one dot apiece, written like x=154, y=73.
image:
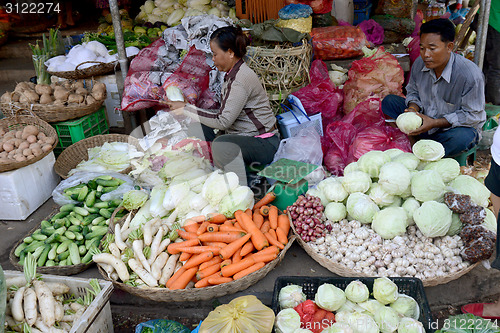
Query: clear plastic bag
x=85, y=177
x=339, y=42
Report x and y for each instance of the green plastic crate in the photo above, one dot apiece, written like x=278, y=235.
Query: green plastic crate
x=72, y=131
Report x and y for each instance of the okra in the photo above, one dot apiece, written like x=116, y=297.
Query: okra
x=74, y=254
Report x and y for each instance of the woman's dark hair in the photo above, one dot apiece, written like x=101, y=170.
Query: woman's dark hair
x=443, y=27
x=231, y=38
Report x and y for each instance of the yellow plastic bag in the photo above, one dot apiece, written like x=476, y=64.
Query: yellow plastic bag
x=303, y=24
x=245, y=314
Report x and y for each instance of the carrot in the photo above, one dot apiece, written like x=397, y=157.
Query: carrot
x=233, y=247
x=204, y=282
x=197, y=219
x=200, y=249
x=236, y=256
x=234, y=268
x=215, y=260
x=247, y=248
x=202, y=228
x=221, y=236
x=246, y=271
x=274, y=241
x=174, y=277
x=266, y=200
x=273, y=216
x=185, y=256
x=224, y=227
x=187, y=235
x=272, y=232
x=264, y=210
x=249, y=212
x=280, y=234
x=216, y=218
x=192, y=227
x=258, y=239
x=268, y=250
x=218, y=244
x=219, y=280
x=265, y=226
x=284, y=223
x=227, y=223
x=226, y=262
x=266, y=258
x=182, y=281
x=239, y=226
x=203, y=273
x=258, y=219
x=212, y=227
x=173, y=248
x=196, y=260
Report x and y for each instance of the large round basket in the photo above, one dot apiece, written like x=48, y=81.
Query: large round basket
x=57, y=270
x=344, y=271
x=19, y=120
x=100, y=68
x=199, y=294
x=282, y=68
x=77, y=152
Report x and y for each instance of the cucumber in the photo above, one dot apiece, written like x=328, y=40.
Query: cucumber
x=60, y=215
x=69, y=234
x=62, y=262
x=43, y=257
x=39, y=237
x=92, y=210
x=75, y=228
x=74, y=196
x=52, y=253
x=55, y=237
x=104, y=177
x=99, y=188
x=59, y=223
x=75, y=215
x=61, y=230
x=74, y=254
x=67, y=208
x=67, y=224
x=93, y=242
x=83, y=193
x=92, y=184
x=74, y=220
x=102, y=204
x=108, y=183
x=18, y=249
x=82, y=250
x=28, y=240
x=88, y=257
x=45, y=224
x=90, y=199
x=97, y=232
x=32, y=247
x=80, y=211
x=115, y=203
x=48, y=231
x=50, y=263
x=79, y=236
x=88, y=219
x=63, y=246
x=106, y=212
x=98, y=220
x=108, y=189
x=63, y=256
x=38, y=252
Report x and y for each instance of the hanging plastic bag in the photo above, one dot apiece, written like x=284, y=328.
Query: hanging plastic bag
x=376, y=76
x=374, y=32
x=84, y=177
x=338, y=42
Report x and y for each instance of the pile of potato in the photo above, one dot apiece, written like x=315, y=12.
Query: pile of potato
x=61, y=93
x=22, y=145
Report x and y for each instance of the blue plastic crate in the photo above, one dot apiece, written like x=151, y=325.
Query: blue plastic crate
x=362, y=15
x=361, y=4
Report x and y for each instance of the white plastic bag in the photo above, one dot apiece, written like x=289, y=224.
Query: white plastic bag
x=85, y=177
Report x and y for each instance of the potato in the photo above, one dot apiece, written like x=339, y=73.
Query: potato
x=17, y=142
x=30, y=157
x=4, y=160
x=35, y=146
x=31, y=139
x=19, y=134
x=99, y=95
x=31, y=85
x=67, y=85
x=30, y=130
x=32, y=96
x=20, y=158
x=61, y=94
x=46, y=148
x=19, y=151
x=81, y=91
x=37, y=151
x=99, y=86
x=23, y=99
x=77, y=85
x=6, y=98
x=24, y=145
x=8, y=147
x=57, y=102
x=21, y=87
x=50, y=140
x=27, y=152
x=74, y=98
x=46, y=99
x=90, y=100
x=15, y=97
x=40, y=142
x=41, y=89
x=41, y=136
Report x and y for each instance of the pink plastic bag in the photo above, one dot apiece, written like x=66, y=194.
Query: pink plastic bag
x=377, y=138
x=376, y=76
x=374, y=32
x=321, y=95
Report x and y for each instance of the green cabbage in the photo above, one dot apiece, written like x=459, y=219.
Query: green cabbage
x=456, y=225
x=329, y=297
x=410, y=206
x=406, y=306
x=287, y=321
x=240, y=198
x=134, y=199
x=433, y=219
x=490, y=222
x=338, y=328
x=219, y=186
x=427, y=185
x=410, y=325
x=380, y=196
x=335, y=211
x=464, y=184
x=387, y=319
x=409, y=160
x=333, y=189
x=357, y=291
x=361, y=208
x=390, y=222
x=428, y=150
x=316, y=192
x=448, y=168
x=393, y=153
x=174, y=94
x=349, y=306
x=385, y=291
x=362, y=323
x=371, y=305
x=372, y=161
x=408, y=122
x=356, y=181
x=291, y=296
x=394, y=178
x=353, y=166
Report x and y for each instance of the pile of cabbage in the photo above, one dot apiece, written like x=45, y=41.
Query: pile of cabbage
x=355, y=311
x=93, y=51
x=172, y=11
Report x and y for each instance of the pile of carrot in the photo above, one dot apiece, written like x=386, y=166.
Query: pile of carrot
x=215, y=250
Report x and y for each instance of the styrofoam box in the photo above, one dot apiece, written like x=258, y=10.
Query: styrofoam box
x=97, y=317
x=25, y=189
x=113, y=101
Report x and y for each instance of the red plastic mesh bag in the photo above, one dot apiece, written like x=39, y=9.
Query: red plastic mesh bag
x=338, y=42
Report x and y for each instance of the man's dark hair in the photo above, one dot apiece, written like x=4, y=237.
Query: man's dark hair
x=443, y=27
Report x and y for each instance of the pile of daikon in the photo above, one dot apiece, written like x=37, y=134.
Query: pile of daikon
x=36, y=306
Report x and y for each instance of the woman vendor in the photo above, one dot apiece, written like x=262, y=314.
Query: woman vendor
x=249, y=134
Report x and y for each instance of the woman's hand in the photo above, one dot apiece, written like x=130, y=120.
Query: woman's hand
x=176, y=107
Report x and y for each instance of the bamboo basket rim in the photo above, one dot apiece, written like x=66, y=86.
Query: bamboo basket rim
x=77, y=152
x=57, y=270
x=344, y=271
x=197, y=294
x=100, y=68
x=19, y=121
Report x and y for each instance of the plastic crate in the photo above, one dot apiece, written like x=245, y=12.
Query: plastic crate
x=70, y=132
x=97, y=317
x=412, y=287
x=361, y=4
x=362, y=15
x=492, y=110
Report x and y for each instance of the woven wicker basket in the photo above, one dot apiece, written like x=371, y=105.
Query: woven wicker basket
x=199, y=294
x=100, y=68
x=17, y=121
x=77, y=152
x=281, y=68
x=344, y=271
x=57, y=270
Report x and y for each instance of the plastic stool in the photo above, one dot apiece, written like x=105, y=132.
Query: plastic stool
x=465, y=157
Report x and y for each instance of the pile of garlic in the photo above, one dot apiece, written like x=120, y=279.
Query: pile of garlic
x=361, y=249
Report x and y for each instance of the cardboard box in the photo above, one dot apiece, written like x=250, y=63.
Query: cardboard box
x=23, y=190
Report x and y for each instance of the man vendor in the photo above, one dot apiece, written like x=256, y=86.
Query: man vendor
x=250, y=135
x=445, y=89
